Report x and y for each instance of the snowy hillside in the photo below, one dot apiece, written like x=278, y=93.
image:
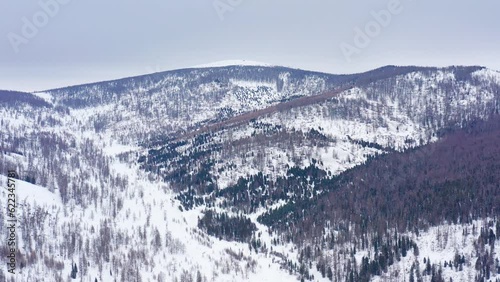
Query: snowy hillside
x=186, y=98
x=112, y=183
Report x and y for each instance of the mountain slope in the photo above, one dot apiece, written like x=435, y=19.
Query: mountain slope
x=455, y=180
x=144, y=168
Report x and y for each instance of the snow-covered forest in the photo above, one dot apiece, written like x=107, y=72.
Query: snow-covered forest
x=395, y=178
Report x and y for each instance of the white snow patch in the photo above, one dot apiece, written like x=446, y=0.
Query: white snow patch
x=487, y=75
x=227, y=63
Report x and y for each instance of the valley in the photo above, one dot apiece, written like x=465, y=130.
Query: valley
x=257, y=173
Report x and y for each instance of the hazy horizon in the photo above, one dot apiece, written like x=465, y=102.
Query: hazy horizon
x=48, y=44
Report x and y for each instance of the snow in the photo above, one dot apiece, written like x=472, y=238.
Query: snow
x=148, y=204
x=32, y=194
x=44, y=95
x=115, y=149
x=441, y=243
x=226, y=63
x=487, y=75
x=254, y=85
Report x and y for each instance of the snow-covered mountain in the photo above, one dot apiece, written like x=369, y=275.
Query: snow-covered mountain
x=226, y=63
x=144, y=178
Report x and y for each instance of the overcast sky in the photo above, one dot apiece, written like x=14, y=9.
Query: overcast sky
x=48, y=46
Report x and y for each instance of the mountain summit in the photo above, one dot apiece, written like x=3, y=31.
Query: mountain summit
x=257, y=173
x=227, y=63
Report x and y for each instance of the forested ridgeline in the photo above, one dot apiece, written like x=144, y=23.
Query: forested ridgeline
x=453, y=180
x=16, y=98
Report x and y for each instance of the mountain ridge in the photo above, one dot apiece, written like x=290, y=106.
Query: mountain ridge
x=130, y=209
